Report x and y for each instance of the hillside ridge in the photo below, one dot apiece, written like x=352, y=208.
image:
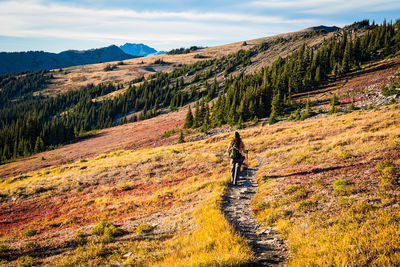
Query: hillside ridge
x=14, y=62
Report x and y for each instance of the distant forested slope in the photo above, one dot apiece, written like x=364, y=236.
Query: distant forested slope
x=38, y=60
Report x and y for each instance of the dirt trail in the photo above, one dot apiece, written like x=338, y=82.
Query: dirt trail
x=268, y=248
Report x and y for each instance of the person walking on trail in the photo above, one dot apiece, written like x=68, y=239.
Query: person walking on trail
x=235, y=149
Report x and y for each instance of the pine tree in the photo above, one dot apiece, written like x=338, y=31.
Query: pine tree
x=318, y=75
x=351, y=107
x=39, y=145
x=346, y=62
x=273, y=117
x=239, y=125
x=295, y=116
x=334, y=103
x=275, y=109
x=308, y=112
x=276, y=105
x=181, y=138
x=206, y=122
x=197, y=117
x=189, y=119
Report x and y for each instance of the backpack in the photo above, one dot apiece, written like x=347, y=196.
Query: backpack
x=234, y=152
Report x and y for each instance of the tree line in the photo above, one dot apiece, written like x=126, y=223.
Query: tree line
x=183, y=50
x=31, y=123
x=268, y=92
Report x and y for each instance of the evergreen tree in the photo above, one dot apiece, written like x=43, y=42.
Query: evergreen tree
x=181, y=138
x=39, y=145
x=239, y=125
x=333, y=106
x=189, y=119
x=198, y=120
x=308, y=112
x=346, y=62
x=206, y=121
x=351, y=107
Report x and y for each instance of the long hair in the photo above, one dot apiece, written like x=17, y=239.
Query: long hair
x=237, y=138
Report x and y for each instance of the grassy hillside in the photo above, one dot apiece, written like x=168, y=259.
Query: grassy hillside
x=73, y=78
x=329, y=184
x=129, y=136
x=160, y=200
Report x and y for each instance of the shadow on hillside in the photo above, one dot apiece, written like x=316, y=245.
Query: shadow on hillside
x=42, y=252
x=313, y=171
x=87, y=137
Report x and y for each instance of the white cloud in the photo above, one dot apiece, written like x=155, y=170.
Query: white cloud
x=327, y=6
x=29, y=18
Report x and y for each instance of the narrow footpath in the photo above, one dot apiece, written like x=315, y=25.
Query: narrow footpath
x=268, y=248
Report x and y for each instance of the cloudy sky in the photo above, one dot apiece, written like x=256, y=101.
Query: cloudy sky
x=57, y=25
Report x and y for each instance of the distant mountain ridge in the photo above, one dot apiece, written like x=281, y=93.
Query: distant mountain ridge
x=11, y=62
x=140, y=50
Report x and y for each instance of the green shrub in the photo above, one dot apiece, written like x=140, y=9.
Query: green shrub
x=109, y=67
x=386, y=91
x=107, y=230
x=80, y=237
x=32, y=246
x=344, y=154
x=388, y=171
x=273, y=217
x=261, y=205
x=307, y=204
x=26, y=260
x=291, y=189
x=4, y=248
x=144, y=228
x=342, y=187
x=113, y=231
x=386, y=167
x=30, y=232
x=300, y=193
x=340, y=182
x=168, y=133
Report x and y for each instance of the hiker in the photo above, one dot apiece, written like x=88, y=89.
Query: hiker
x=235, y=149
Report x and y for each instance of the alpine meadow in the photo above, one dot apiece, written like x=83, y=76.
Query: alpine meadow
x=125, y=163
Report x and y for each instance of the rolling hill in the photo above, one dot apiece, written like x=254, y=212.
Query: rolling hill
x=326, y=169
x=14, y=62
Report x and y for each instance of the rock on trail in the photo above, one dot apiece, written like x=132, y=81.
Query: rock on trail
x=268, y=248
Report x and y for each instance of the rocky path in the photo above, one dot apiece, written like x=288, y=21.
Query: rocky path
x=269, y=249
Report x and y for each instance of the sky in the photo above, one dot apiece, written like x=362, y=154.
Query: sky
x=58, y=25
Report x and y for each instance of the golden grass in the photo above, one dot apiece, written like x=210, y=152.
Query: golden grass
x=213, y=242
x=324, y=183
x=347, y=214
x=184, y=183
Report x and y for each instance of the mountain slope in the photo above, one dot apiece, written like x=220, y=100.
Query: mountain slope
x=39, y=60
x=176, y=192
x=75, y=77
